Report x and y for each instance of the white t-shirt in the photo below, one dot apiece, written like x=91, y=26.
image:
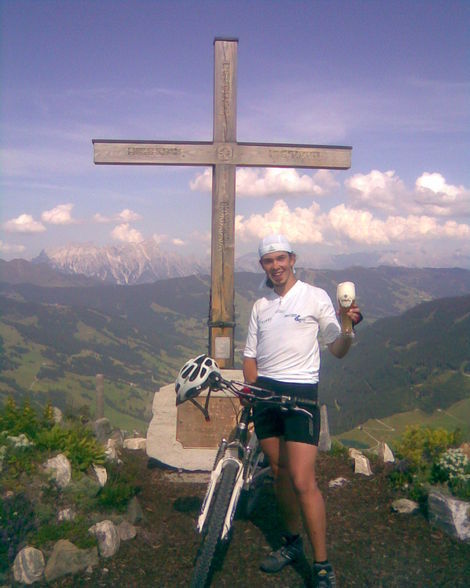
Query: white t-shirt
x=283, y=333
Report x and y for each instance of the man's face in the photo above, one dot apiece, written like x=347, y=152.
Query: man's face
x=278, y=267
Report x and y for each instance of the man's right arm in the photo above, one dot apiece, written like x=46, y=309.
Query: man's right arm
x=250, y=370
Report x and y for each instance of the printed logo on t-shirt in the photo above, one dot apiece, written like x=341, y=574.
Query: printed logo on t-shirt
x=296, y=317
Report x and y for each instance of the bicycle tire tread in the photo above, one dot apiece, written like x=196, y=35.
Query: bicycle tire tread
x=215, y=524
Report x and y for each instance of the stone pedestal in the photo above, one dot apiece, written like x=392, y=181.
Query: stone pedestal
x=181, y=438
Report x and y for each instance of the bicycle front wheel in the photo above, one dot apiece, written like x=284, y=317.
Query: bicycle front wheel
x=214, y=526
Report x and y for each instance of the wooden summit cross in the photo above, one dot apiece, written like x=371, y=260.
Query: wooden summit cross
x=223, y=154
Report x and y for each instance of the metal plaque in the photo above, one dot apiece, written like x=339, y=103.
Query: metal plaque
x=193, y=431
x=222, y=348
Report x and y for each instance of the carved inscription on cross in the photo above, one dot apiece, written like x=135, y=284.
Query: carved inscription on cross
x=223, y=154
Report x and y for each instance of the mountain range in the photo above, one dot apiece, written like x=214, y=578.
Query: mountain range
x=130, y=263
x=148, y=261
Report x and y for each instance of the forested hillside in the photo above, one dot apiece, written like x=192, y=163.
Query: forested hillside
x=420, y=359
x=55, y=340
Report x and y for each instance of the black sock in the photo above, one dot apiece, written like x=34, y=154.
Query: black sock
x=322, y=563
x=290, y=537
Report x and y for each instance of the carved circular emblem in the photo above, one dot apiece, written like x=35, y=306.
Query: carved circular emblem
x=224, y=152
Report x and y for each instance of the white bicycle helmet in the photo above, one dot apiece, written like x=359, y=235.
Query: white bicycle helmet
x=194, y=377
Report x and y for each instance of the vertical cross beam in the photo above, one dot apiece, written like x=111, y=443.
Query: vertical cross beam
x=222, y=306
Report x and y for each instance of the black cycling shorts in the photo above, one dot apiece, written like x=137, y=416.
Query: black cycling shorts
x=271, y=421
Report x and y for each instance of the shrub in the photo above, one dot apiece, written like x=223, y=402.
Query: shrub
x=15, y=420
x=16, y=521
x=453, y=468
x=119, y=489
x=338, y=449
x=430, y=457
x=420, y=446
x=76, y=442
x=75, y=531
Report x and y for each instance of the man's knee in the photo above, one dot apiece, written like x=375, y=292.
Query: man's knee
x=303, y=482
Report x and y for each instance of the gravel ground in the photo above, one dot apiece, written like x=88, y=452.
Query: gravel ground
x=369, y=545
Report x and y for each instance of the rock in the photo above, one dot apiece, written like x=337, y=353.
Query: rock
x=126, y=531
x=101, y=474
x=19, y=441
x=108, y=538
x=405, y=506
x=84, y=487
x=117, y=438
x=385, y=453
x=102, y=429
x=362, y=465
x=135, y=443
x=61, y=470
x=449, y=514
x=353, y=453
x=135, y=513
x=465, y=448
x=28, y=566
x=57, y=415
x=66, y=514
x=3, y=452
x=66, y=558
x=324, y=443
x=337, y=482
x=111, y=450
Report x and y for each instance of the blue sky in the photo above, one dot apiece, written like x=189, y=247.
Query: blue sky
x=391, y=79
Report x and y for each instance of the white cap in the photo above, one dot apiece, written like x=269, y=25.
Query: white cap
x=273, y=243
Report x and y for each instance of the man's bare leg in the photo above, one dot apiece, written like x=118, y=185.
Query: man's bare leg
x=301, y=458
x=275, y=450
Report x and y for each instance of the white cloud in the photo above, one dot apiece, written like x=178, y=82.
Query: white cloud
x=159, y=238
x=178, y=242
x=301, y=225
x=377, y=190
x=125, y=216
x=342, y=224
x=438, y=198
x=386, y=192
x=357, y=225
x=360, y=226
x=128, y=215
x=99, y=218
x=124, y=232
x=60, y=215
x=24, y=224
x=255, y=182
x=7, y=248
x=204, y=237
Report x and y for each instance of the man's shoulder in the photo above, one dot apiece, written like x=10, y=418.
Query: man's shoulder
x=266, y=298
x=311, y=290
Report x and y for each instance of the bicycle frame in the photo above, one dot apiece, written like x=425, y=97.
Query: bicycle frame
x=239, y=454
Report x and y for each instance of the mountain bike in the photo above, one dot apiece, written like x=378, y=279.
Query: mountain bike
x=239, y=471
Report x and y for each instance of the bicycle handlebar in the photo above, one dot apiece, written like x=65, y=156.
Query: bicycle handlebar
x=257, y=394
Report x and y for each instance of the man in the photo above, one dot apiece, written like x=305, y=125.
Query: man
x=282, y=354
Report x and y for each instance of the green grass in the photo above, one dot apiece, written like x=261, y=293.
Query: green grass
x=125, y=421
x=390, y=428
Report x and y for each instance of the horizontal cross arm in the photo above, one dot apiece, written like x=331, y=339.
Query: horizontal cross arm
x=152, y=152
x=207, y=153
x=285, y=155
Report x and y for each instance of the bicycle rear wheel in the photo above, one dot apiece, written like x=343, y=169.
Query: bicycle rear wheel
x=214, y=526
